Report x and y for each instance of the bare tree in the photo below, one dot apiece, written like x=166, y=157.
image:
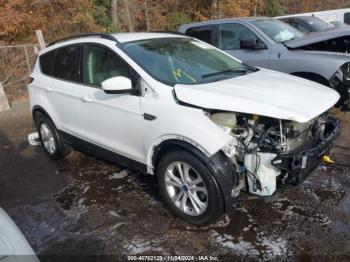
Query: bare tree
x=147, y=16
x=255, y=7
x=114, y=13
x=128, y=16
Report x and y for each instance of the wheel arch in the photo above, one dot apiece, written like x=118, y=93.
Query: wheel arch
x=312, y=77
x=39, y=109
x=220, y=166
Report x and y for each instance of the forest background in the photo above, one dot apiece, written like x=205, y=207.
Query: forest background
x=59, y=18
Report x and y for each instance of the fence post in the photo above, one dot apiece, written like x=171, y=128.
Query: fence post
x=27, y=59
x=4, y=104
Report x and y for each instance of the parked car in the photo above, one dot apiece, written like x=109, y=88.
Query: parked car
x=341, y=15
x=273, y=44
x=338, y=24
x=13, y=245
x=169, y=105
x=307, y=24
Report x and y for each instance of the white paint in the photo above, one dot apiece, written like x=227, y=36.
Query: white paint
x=12, y=241
x=117, y=83
x=266, y=92
x=266, y=173
x=329, y=15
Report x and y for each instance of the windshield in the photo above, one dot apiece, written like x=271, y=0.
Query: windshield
x=183, y=61
x=317, y=25
x=278, y=30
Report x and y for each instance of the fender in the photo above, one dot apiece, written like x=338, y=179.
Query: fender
x=220, y=166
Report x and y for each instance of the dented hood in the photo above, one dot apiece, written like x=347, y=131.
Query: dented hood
x=318, y=37
x=265, y=92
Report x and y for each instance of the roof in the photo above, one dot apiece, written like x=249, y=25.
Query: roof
x=226, y=20
x=129, y=37
x=120, y=37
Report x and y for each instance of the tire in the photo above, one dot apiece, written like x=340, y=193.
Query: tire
x=180, y=197
x=50, y=140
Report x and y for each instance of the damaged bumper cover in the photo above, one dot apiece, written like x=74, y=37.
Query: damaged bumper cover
x=300, y=163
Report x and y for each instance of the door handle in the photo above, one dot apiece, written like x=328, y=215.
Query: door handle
x=86, y=99
x=149, y=117
x=48, y=89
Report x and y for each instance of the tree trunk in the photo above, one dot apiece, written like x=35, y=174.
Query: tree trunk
x=255, y=7
x=218, y=13
x=148, y=27
x=114, y=14
x=128, y=16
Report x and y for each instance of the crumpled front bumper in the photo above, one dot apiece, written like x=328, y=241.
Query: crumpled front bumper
x=300, y=163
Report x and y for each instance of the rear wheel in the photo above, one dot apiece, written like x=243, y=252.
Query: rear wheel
x=50, y=140
x=189, y=189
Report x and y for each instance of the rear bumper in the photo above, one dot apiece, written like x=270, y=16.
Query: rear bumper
x=299, y=164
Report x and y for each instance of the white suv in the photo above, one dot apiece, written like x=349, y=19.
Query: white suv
x=206, y=124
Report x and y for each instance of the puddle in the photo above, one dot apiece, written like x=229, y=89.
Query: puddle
x=244, y=236
x=325, y=194
x=97, y=183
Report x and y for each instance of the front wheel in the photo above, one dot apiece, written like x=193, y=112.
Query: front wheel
x=189, y=189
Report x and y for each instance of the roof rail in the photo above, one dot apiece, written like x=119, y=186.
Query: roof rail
x=101, y=35
x=171, y=32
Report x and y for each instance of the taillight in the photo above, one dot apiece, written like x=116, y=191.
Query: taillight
x=30, y=80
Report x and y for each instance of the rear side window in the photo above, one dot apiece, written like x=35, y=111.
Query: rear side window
x=66, y=64
x=205, y=33
x=46, y=63
x=347, y=18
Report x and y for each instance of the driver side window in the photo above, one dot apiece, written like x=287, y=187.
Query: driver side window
x=231, y=35
x=101, y=63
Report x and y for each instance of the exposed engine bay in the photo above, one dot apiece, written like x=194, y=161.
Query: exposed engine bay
x=339, y=44
x=267, y=149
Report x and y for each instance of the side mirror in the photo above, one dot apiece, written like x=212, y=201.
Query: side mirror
x=252, y=43
x=118, y=85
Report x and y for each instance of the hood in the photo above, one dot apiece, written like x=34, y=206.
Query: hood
x=265, y=92
x=318, y=37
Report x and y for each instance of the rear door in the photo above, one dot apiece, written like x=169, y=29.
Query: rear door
x=61, y=84
x=206, y=33
x=230, y=36
x=112, y=121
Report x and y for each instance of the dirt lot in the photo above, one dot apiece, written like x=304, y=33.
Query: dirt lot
x=83, y=206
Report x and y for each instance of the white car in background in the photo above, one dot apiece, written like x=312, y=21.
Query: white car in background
x=169, y=105
x=340, y=15
x=13, y=245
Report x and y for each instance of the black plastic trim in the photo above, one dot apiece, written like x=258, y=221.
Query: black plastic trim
x=101, y=35
x=292, y=163
x=149, y=117
x=102, y=153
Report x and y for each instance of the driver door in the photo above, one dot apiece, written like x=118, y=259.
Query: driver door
x=230, y=36
x=112, y=121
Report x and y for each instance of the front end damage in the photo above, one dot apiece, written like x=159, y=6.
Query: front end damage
x=267, y=151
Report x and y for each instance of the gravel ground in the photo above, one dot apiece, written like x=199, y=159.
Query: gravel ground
x=84, y=206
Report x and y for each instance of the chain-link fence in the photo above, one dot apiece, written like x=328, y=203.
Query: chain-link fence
x=16, y=63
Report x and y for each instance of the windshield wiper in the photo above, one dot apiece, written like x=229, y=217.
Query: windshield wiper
x=233, y=71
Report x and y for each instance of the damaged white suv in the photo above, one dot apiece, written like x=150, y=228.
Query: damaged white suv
x=204, y=123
